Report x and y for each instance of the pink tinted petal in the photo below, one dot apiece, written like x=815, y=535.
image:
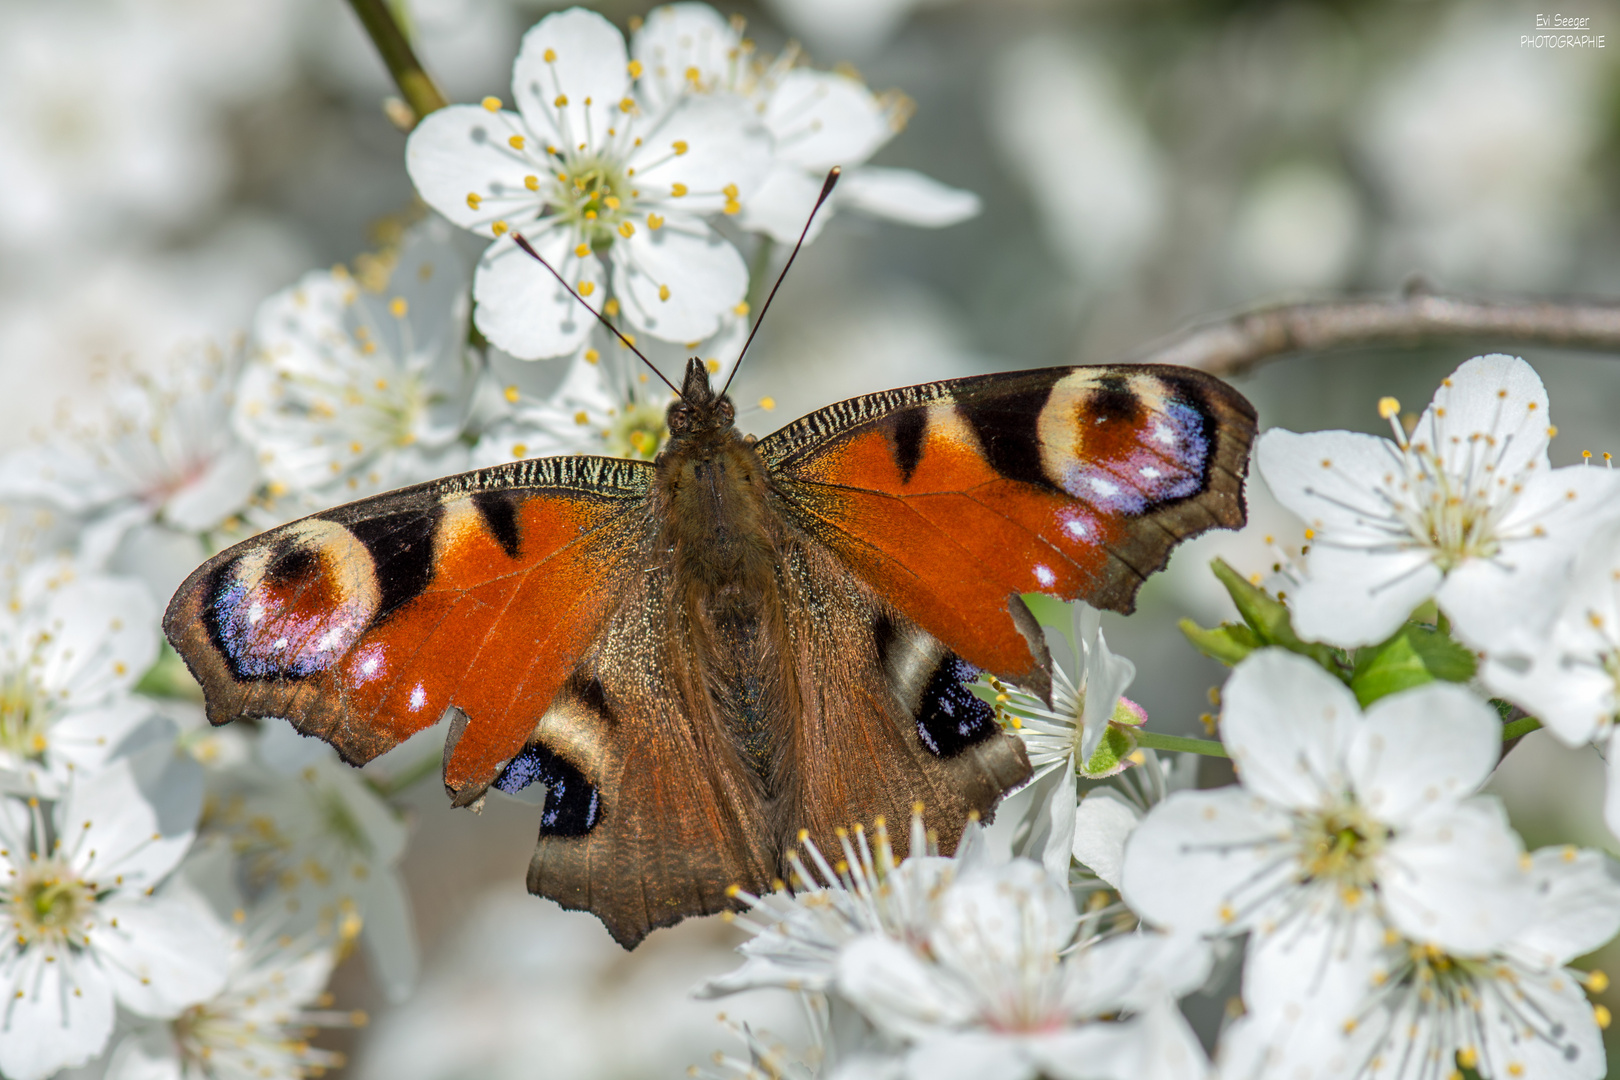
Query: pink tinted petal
x=587, y=62
x=1422, y=750
x=1286, y=723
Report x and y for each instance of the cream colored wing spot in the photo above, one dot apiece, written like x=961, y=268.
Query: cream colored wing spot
x=1121, y=443
x=292, y=608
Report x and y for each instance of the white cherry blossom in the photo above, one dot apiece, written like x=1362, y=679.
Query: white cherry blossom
x=1345, y=823
x=72, y=648
x=816, y=119
x=590, y=175
x=1570, y=679
x=1061, y=740
x=362, y=383
x=1467, y=510
x=997, y=986
x=80, y=926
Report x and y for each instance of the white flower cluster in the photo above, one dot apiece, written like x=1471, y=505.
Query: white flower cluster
x=1392, y=923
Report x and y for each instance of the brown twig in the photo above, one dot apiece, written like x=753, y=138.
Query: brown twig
x=421, y=93
x=1238, y=343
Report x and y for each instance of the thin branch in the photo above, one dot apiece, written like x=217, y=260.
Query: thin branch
x=1238, y=343
x=421, y=93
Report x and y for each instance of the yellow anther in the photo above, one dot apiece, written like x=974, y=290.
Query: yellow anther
x=582, y=250
x=1552, y=431
x=655, y=222
x=591, y=355
x=473, y=199
x=1597, y=981
x=1586, y=455
x=611, y=202
x=634, y=68
x=511, y=394
x=1388, y=407
x=493, y=104
x=498, y=228
x=663, y=290
x=532, y=183
x=627, y=104
x=680, y=147
x=560, y=100
x=562, y=178
x=1310, y=534
x=627, y=230
x=586, y=288
x=551, y=56
x=611, y=308
x=397, y=307
x=581, y=418
x=694, y=76
x=732, y=206
x=520, y=450
x=741, y=309
x=712, y=365
x=1601, y=1014
x=767, y=403
x=590, y=215
x=729, y=191
x=515, y=142
x=677, y=190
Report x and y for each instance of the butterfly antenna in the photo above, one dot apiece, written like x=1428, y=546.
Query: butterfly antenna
x=826, y=189
x=535, y=255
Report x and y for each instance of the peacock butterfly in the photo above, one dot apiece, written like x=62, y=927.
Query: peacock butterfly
x=707, y=656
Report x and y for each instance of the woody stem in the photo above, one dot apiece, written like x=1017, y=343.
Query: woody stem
x=421, y=93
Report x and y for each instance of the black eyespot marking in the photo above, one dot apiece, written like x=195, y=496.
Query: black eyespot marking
x=290, y=564
x=401, y=547
x=499, y=511
x=1113, y=402
x=573, y=806
x=909, y=426
x=950, y=718
x=1005, y=424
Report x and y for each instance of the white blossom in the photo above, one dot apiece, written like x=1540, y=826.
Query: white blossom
x=80, y=926
x=1467, y=510
x=998, y=986
x=362, y=383
x=72, y=648
x=1570, y=679
x=1063, y=740
x=1345, y=823
x=160, y=456
x=589, y=174
x=816, y=119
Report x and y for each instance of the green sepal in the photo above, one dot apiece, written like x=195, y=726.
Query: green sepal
x=1109, y=758
x=1268, y=623
x=1414, y=656
x=1229, y=642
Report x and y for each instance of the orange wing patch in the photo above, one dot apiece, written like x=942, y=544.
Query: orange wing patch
x=363, y=626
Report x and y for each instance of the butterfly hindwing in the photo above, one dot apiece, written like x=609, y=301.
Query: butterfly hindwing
x=363, y=624
x=951, y=498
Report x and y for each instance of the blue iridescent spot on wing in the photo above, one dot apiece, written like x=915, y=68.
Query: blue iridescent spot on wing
x=950, y=717
x=573, y=804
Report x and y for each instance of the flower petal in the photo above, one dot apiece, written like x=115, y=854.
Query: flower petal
x=1208, y=861
x=113, y=835
x=390, y=935
x=522, y=308
x=148, y=1053
x=1286, y=723
x=58, y=1013
x=1577, y=906
x=1102, y=824
x=781, y=205
x=1423, y=750
x=1540, y=1024
x=224, y=487
x=970, y=1055
x=897, y=991
x=1455, y=879
x=578, y=58
x=906, y=196
x=683, y=48
x=1497, y=395
x=1156, y=1044
x=678, y=281
x=704, y=146
x=461, y=151
x=1132, y=972
x=1355, y=596
x=819, y=119
x=1322, y=961
x=161, y=953
x=103, y=639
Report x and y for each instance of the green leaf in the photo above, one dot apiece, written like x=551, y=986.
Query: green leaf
x=1268, y=617
x=1229, y=643
x=1416, y=655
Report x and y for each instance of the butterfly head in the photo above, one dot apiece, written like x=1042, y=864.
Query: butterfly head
x=699, y=410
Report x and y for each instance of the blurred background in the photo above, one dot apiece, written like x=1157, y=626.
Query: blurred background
x=167, y=164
